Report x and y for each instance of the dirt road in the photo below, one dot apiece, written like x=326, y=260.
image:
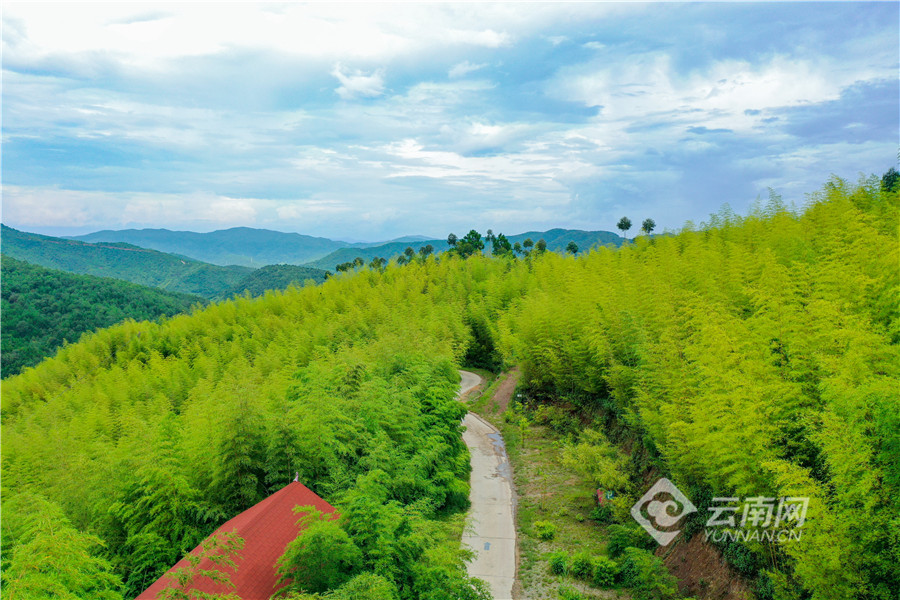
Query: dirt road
x=492, y=529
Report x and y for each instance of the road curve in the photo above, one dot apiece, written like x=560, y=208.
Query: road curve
x=491, y=530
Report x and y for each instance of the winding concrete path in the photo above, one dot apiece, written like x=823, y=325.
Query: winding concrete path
x=491, y=530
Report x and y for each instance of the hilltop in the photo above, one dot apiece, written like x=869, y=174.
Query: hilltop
x=146, y=266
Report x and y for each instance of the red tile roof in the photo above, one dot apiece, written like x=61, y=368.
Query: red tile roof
x=267, y=528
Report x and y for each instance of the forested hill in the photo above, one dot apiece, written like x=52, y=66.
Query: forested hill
x=123, y=261
x=386, y=251
x=148, y=267
x=237, y=246
x=556, y=240
x=275, y=277
x=747, y=357
x=43, y=308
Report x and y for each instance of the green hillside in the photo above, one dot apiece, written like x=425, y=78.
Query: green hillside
x=170, y=429
x=123, y=261
x=237, y=246
x=386, y=251
x=749, y=357
x=44, y=308
x=276, y=277
x=556, y=239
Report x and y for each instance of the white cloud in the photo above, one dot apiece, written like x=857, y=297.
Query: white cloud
x=537, y=170
x=477, y=136
x=464, y=68
x=356, y=84
x=648, y=86
x=56, y=207
x=485, y=37
x=151, y=35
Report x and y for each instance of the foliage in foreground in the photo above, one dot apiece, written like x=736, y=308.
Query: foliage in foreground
x=221, y=550
x=148, y=436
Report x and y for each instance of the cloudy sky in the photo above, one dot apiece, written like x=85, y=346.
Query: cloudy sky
x=367, y=122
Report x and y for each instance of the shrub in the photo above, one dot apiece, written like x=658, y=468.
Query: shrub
x=597, y=459
x=323, y=557
x=581, y=565
x=366, y=586
x=621, y=508
x=602, y=513
x=545, y=530
x=542, y=415
x=605, y=572
x=627, y=536
x=647, y=576
x=559, y=562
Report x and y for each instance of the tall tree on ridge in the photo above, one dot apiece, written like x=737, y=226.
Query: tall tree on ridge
x=624, y=225
x=501, y=245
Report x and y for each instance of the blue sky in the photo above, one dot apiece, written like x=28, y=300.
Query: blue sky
x=367, y=122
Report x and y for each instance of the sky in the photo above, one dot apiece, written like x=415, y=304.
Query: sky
x=366, y=122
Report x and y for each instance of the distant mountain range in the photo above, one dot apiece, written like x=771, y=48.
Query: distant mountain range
x=177, y=273
x=258, y=247
x=242, y=246
x=237, y=246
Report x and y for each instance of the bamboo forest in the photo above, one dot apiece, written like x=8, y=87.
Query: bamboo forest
x=747, y=355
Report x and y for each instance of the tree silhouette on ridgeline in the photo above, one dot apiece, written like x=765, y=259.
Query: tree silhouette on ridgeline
x=467, y=246
x=501, y=245
x=624, y=225
x=889, y=180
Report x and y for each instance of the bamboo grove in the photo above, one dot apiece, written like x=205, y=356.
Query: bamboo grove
x=753, y=355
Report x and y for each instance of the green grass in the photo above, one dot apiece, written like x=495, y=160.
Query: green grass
x=480, y=400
